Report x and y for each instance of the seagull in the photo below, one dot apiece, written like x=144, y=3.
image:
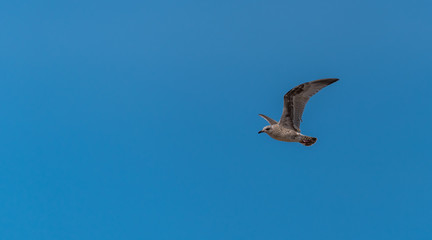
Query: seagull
x=288, y=127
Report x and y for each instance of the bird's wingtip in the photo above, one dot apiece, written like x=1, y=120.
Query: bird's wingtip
x=330, y=80
x=333, y=80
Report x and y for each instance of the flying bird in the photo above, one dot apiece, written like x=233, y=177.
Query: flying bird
x=288, y=127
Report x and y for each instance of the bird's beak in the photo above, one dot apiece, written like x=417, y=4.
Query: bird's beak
x=260, y=131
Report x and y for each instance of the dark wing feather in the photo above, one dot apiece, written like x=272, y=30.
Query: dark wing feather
x=295, y=101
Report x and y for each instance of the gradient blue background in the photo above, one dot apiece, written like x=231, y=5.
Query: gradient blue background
x=138, y=120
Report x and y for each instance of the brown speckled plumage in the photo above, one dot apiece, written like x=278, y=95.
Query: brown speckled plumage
x=295, y=100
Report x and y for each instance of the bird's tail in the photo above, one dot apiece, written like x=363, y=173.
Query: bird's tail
x=308, y=141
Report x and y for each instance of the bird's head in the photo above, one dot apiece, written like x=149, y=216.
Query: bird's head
x=267, y=129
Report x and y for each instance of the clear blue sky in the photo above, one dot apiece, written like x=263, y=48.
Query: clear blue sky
x=138, y=120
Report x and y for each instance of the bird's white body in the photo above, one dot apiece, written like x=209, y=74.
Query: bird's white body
x=284, y=134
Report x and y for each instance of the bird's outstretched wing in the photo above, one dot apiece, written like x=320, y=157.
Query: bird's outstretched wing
x=295, y=101
x=268, y=119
